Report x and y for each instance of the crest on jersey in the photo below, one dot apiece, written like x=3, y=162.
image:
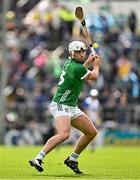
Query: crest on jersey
x=66, y=110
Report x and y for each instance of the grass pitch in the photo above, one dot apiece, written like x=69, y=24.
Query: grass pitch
x=103, y=163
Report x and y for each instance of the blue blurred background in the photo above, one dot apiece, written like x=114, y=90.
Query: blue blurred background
x=33, y=47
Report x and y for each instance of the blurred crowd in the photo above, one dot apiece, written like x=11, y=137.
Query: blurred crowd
x=37, y=50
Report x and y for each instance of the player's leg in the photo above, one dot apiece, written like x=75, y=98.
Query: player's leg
x=85, y=125
x=63, y=124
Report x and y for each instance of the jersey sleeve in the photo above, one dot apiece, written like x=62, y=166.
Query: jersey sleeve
x=80, y=72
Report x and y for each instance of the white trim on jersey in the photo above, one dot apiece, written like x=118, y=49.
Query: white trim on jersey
x=88, y=71
x=64, y=96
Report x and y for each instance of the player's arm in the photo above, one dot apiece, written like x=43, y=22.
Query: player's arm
x=96, y=61
x=89, y=60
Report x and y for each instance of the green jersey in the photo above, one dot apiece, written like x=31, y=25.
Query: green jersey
x=70, y=83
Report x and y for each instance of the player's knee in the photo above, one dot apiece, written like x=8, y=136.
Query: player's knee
x=95, y=133
x=65, y=135
x=92, y=134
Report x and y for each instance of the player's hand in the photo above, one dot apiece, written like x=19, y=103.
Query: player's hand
x=90, y=58
x=97, y=60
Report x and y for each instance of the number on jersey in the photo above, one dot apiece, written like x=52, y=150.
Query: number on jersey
x=62, y=77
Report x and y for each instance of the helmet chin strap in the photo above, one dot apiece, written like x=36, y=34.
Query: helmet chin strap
x=72, y=54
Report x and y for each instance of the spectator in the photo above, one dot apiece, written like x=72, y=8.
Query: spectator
x=122, y=115
x=132, y=21
x=92, y=107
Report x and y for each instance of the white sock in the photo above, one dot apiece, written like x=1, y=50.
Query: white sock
x=40, y=155
x=74, y=156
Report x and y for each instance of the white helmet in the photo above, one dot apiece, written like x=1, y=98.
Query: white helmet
x=77, y=46
x=94, y=92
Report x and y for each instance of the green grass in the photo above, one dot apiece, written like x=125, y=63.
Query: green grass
x=104, y=163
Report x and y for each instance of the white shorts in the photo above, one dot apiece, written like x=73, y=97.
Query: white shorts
x=64, y=110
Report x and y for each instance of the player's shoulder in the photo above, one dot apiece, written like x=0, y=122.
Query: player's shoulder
x=74, y=66
x=71, y=63
x=77, y=64
x=88, y=100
